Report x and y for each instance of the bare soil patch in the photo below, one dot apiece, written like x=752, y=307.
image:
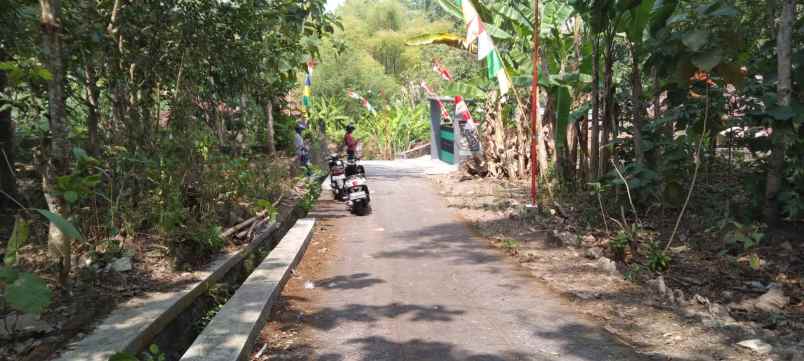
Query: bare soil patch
x=692, y=312
x=284, y=337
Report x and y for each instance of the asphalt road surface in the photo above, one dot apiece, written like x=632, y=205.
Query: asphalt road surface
x=411, y=282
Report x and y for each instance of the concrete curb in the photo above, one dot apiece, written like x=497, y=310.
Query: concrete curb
x=231, y=333
x=135, y=323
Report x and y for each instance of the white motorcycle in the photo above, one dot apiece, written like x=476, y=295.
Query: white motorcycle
x=337, y=176
x=357, y=194
x=356, y=191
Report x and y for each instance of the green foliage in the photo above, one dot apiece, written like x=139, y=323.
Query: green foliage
x=393, y=130
x=210, y=238
x=123, y=356
x=619, y=243
x=745, y=236
x=23, y=291
x=510, y=244
x=331, y=113
x=154, y=354
x=62, y=224
x=376, y=61
x=312, y=192
x=634, y=271
x=19, y=235
x=658, y=259
x=27, y=293
x=264, y=205
x=162, y=102
x=151, y=354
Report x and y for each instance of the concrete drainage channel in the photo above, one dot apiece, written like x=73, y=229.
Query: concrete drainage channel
x=216, y=318
x=231, y=334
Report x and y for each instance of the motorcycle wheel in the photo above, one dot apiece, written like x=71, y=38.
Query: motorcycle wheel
x=361, y=209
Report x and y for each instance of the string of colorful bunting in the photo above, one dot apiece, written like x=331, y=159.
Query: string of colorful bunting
x=362, y=100
x=441, y=70
x=308, y=83
x=432, y=94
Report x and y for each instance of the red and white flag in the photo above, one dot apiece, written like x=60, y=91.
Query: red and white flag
x=476, y=30
x=432, y=94
x=441, y=70
x=463, y=111
x=362, y=100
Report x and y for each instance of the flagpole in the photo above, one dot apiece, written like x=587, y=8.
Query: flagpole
x=534, y=105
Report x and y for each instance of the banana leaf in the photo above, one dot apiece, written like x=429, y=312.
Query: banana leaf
x=449, y=39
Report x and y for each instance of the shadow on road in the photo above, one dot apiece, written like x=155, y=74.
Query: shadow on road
x=329, y=318
x=448, y=241
x=382, y=349
x=351, y=282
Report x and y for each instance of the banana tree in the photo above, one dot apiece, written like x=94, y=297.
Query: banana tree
x=510, y=23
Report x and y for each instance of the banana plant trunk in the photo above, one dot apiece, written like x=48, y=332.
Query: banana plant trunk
x=57, y=162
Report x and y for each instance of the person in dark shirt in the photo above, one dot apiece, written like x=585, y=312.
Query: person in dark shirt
x=350, y=142
x=302, y=151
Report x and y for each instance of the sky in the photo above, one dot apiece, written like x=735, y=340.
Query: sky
x=332, y=4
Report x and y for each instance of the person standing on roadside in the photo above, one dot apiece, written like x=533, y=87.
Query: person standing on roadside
x=350, y=142
x=302, y=151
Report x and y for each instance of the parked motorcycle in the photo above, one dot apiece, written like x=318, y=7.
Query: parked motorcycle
x=356, y=189
x=353, y=168
x=358, y=195
x=337, y=176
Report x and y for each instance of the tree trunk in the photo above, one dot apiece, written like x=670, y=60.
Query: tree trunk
x=521, y=144
x=57, y=162
x=636, y=100
x=499, y=137
x=610, y=118
x=544, y=164
x=118, y=77
x=784, y=90
x=92, y=95
x=572, y=159
x=583, y=148
x=549, y=120
x=594, y=162
x=269, y=126
x=8, y=180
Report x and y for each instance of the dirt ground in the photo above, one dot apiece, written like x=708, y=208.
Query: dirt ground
x=284, y=337
x=693, y=312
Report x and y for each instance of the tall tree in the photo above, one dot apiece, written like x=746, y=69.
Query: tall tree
x=58, y=156
x=9, y=19
x=8, y=181
x=784, y=47
x=270, y=142
x=594, y=161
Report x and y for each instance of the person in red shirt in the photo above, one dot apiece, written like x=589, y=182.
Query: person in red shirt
x=350, y=142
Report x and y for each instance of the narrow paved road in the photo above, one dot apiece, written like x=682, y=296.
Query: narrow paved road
x=410, y=282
